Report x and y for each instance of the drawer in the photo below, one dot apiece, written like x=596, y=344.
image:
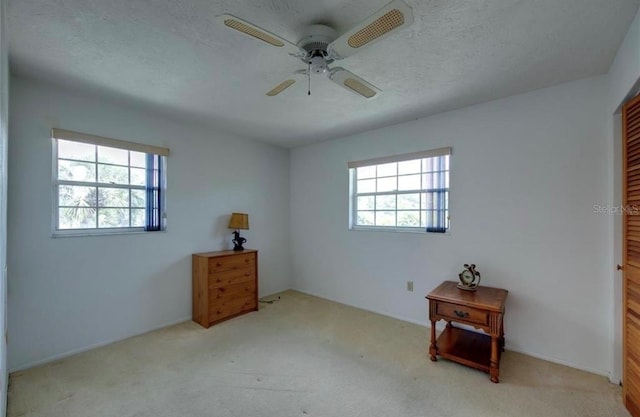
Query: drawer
x=233, y=276
x=230, y=292
x=462, y=314
x=226, y=308
x=225, y=263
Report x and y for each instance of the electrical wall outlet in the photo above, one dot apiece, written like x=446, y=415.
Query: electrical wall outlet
x=410, y=286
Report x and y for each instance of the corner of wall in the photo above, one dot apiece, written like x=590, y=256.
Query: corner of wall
x=4, y=111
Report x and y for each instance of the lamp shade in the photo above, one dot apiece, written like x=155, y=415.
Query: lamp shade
x=239, y=221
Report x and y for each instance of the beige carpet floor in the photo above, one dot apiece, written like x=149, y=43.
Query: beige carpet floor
x=301, y=356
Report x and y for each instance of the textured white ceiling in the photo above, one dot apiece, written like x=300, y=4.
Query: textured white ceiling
x=174, y=56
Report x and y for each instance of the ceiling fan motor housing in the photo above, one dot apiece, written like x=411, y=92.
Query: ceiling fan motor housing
x=316, y=43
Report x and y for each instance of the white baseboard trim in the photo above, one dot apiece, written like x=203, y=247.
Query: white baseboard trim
x=424, y=324
x=72, y=352
x=560, y=362
x=393, y=316
x=274, y=293
x=427, y=324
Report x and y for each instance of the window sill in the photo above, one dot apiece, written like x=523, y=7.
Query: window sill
x=396, y=230
x=85, y=233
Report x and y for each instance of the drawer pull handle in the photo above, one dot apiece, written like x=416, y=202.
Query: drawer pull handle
x=462, y=314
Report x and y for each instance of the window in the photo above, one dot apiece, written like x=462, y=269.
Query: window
x=103, y=185
x=403, y=192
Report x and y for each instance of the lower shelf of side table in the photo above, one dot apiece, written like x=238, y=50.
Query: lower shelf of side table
x=466, y=347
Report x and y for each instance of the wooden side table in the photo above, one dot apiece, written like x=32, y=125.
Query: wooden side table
x=482, y=309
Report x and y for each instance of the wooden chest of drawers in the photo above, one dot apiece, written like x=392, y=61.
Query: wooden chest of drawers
x=225, y=285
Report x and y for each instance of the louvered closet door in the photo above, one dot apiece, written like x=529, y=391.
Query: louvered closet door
x=631, y=248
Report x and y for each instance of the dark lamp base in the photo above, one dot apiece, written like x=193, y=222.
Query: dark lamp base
x=238, y=241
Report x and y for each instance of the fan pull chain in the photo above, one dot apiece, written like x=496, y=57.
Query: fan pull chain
x=309, y=78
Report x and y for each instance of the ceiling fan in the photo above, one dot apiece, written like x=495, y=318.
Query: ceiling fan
x=322, y=46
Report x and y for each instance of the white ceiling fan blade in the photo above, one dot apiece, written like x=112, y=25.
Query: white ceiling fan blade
x=389, y=19
x=353, y=83
x=281, y=87
x=257, y=32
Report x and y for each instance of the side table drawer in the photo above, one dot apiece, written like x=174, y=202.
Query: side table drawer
x=462, y=314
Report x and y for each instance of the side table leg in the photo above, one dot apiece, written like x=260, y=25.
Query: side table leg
x=494, y=370
x=433, y=348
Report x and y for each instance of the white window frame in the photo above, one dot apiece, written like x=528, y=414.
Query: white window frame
x=61, y=134
x=353, y=194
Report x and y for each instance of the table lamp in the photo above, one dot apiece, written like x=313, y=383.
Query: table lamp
x=238, y=221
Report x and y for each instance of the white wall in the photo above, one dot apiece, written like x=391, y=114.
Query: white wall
x=526, y=173
x=625, y=69
x=4, y=123
x=69, y=294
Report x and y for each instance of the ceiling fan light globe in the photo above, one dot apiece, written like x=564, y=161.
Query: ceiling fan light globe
x=318, y=65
